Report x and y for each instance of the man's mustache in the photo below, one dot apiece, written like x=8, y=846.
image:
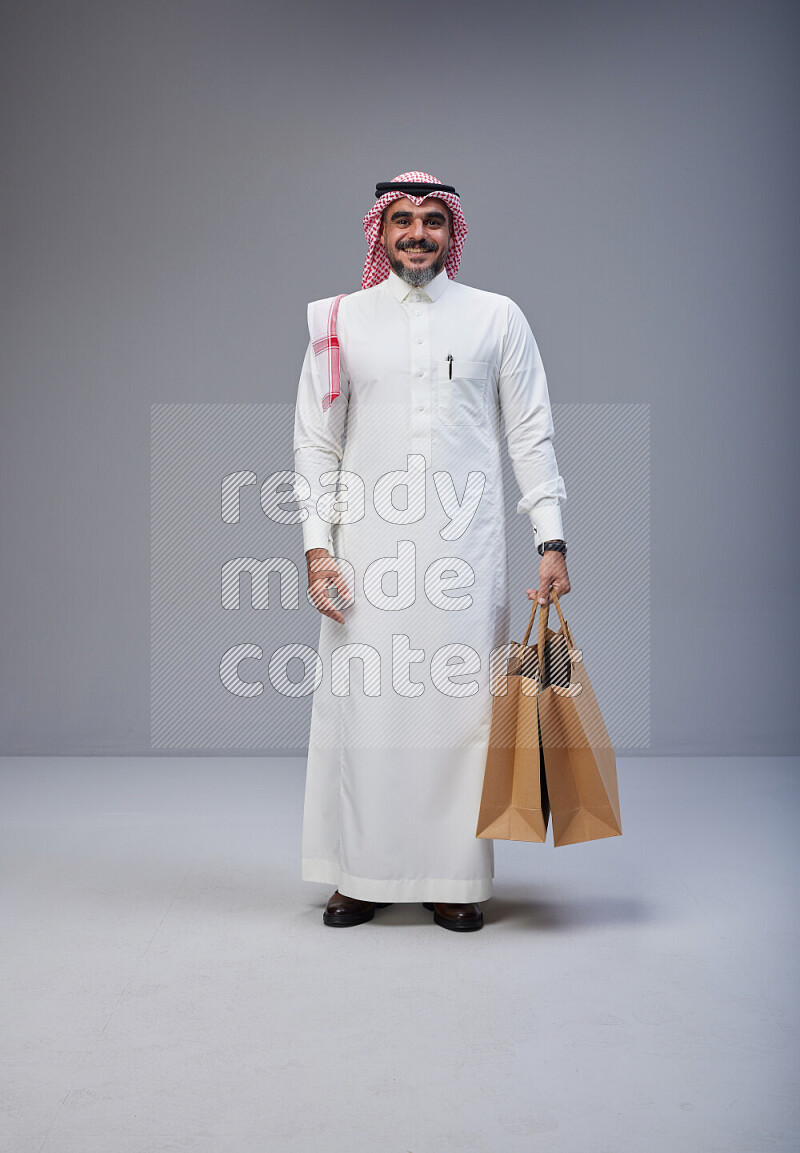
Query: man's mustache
x=425, y=245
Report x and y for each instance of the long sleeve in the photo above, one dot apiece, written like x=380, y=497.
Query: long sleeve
x=525, y=404
x=318, y=447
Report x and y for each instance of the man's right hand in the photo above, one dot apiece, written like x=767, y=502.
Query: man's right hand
x=323, y=571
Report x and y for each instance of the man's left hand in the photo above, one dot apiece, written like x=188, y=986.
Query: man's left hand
x=552, y=574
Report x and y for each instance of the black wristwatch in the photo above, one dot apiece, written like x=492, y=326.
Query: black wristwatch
x=552, y=545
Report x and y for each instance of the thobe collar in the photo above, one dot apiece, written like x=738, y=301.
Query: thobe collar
x=400, y=290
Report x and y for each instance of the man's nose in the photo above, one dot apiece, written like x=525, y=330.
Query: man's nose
x=417, y=229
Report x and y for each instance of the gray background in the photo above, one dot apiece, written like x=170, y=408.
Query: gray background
x=180, y=178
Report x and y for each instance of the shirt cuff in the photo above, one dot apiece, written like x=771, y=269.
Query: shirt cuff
x=317, y=534
x=546, y=521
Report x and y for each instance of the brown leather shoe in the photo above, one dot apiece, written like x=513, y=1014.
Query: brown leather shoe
x=343, y=911
x=462, y=918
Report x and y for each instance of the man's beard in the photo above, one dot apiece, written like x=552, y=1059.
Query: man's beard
x=417, y=277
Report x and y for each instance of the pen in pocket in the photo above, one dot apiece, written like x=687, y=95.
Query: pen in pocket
x=450, y=366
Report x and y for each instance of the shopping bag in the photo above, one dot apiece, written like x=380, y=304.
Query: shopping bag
x=514, y=805
x=580, y=767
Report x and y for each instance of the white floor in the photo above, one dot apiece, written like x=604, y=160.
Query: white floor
x=168, y=984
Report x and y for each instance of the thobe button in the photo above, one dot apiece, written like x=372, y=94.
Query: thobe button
x=419, y=340
x=418, y=312
x=421, y=408
x=421, y=372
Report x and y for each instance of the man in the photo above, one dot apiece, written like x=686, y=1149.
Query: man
x=397, y=447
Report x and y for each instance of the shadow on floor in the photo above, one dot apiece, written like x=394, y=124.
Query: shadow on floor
x=521, y=910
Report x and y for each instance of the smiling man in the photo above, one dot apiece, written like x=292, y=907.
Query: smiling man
x=406, y=390
x=417, y=238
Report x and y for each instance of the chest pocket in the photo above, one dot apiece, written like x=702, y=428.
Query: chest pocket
x=462, y=400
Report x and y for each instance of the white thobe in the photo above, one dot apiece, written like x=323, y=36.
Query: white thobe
x=400, y=718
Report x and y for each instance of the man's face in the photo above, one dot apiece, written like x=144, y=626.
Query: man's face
x=417, y=238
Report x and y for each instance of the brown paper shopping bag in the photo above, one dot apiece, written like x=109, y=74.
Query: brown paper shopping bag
x=579, y=763
x=514, y=804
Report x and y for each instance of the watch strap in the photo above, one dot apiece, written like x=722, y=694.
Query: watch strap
x=553, y=546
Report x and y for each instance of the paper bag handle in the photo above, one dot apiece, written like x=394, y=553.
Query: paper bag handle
x=545, y=608
x=530, y=623
x=544, y=617
x=518, y=656
x=554, y=595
